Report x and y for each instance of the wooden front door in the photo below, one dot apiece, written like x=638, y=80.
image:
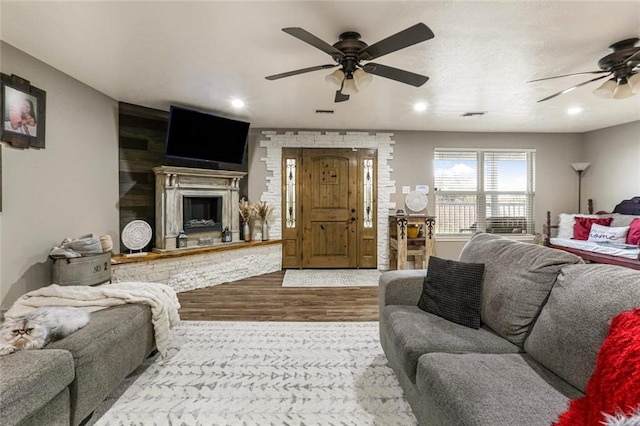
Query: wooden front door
x=329, y=208
x=337, y=225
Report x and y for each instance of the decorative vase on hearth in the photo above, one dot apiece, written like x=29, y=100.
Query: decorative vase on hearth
x=246, y=232
x=265, y=231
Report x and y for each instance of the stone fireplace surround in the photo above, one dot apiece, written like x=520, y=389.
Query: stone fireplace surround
x=175, y=183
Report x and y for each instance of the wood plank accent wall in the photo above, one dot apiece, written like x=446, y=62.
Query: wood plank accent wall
x=142, y=135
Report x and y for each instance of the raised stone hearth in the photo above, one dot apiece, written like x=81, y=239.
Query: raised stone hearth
x=193, y=268
x=175, y=184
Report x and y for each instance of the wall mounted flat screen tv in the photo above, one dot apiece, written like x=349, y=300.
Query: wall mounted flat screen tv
x=197, y=135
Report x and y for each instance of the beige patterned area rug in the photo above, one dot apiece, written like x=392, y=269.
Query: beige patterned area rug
x=331, y=278
x=263, y=373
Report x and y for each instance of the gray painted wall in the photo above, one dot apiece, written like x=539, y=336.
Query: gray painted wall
x=68, y=189
x=614, y=173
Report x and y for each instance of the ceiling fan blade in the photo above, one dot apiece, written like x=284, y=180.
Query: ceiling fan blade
x=309, y=38
x=300, y=71
x=405, y=38
x=402, y=76
x=574, y=87
x=567, y=75
x=340, y=97
x=633, y=58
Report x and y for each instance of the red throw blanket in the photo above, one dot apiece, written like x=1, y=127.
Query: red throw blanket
x=614, y=387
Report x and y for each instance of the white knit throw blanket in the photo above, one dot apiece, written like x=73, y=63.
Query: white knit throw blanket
x=160, y=297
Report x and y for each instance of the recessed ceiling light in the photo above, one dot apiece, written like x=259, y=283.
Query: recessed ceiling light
x=574, y=111
x=419, y=106
x=237, y=103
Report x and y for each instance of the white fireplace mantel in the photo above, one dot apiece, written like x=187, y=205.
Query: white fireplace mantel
x=174, y=183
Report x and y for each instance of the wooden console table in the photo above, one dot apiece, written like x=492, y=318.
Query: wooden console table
x=401, y=246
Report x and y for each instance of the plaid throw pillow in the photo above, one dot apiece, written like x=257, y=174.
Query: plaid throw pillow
x=453, y=291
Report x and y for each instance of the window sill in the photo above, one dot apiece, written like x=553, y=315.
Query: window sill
x=458, y=238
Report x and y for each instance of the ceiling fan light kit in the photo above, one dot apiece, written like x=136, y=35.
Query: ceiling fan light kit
x=623, y=65
x=335, y=79
x=634, y=81
x=362, y=78
x=349, y=87
x=622, y=91
x=626, y=88
x=350, y=51
x=606, y=89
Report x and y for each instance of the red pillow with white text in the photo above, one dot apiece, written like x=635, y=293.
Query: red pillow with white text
x=582, y=227
x=633, y=237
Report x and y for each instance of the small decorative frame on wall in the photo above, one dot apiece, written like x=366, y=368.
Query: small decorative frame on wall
x=23, y=113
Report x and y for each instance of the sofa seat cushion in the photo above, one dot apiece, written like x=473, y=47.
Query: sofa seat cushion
x=30, y=379
x=517, y=280
x=413, y=332
x=105, y=351
x=492, y=389
x=575, y=320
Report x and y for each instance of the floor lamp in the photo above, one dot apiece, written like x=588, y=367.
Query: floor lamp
x=579, y=167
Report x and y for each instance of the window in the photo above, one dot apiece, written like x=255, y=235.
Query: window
x=290, y=196
x=368, y=193
x=484, y=190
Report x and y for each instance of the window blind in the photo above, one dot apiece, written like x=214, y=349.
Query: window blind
x=484, y=190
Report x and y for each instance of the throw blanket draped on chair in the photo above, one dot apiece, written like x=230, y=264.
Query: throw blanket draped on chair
x=160, y=297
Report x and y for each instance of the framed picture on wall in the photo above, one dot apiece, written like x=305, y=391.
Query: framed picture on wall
x=23, y=113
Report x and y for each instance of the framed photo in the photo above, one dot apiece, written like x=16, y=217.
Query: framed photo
x=23, y=113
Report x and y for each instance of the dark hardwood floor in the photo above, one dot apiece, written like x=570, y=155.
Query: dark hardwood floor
x=263, y=298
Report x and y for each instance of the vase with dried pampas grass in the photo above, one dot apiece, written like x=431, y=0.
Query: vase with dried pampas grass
x=264, y=211
x=246, y=209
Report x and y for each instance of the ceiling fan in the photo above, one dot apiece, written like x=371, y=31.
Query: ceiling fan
x=623, y=64
x=350, y=51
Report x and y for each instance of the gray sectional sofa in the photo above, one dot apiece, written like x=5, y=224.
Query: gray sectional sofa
x=64, y=382
x=545, y=314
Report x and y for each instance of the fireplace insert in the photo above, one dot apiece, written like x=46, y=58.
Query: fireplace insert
x=202, y=214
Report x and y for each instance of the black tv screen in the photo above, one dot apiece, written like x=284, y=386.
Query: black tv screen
x=197, y=135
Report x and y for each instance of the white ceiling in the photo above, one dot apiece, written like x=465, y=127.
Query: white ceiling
x=203, y=54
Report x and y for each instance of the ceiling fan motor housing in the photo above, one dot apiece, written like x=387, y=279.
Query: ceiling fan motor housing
x=620, y=62
x=349, y=44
